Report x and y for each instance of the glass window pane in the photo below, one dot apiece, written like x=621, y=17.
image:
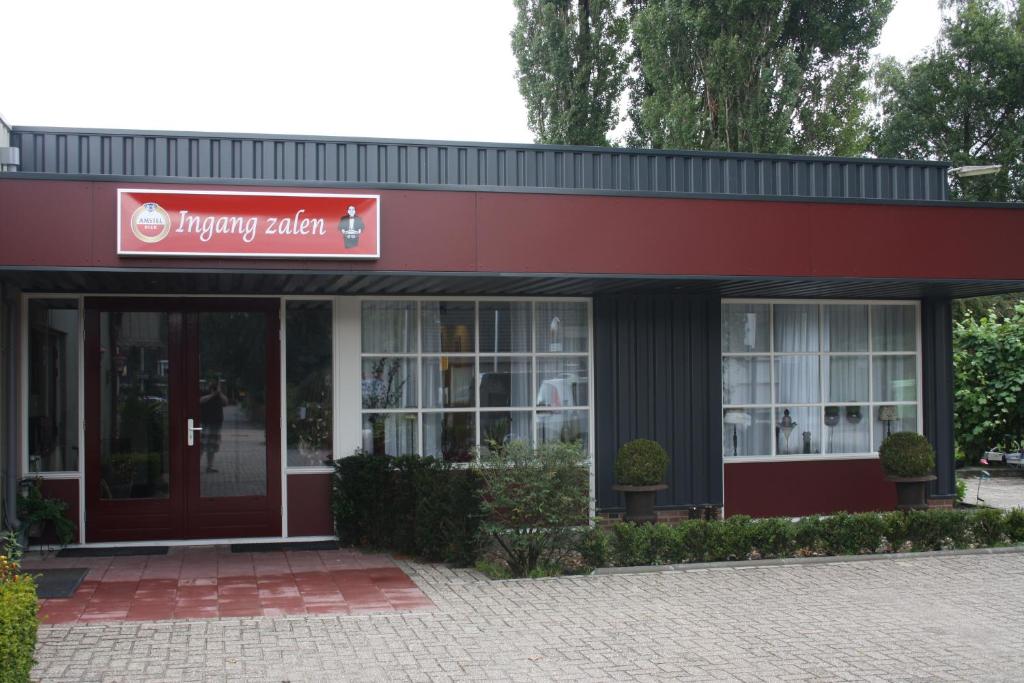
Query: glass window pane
x=847, y=430
x=308, y=389
x=846, y=378
x=892, y=419
x=449, y=382
x=389, y=383
x=747, y=431
x=895, y=378
x=565, y=426
x=505, y=382
x=449, y=436
x=745, y=328
x=562, y=382
x=798, y=431
x=53, y=385
x=134, y=369
x=505, y=426
x=233, y=404
x=845, y=328
x=746, y=380
x=894, y=328
x=505, y=326
x=448, y=326
x=796, y=379
x=390, y=434
x=389, y=327
x=561, y=327
x=796, y=328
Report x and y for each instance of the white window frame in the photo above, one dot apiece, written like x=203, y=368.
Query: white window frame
x=419, y=355
x=870, y=404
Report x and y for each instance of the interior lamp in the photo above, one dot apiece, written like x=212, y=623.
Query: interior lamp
x=736, y=418
x=888, y=415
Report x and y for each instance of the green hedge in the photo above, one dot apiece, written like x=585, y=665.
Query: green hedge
x=18, y=624
x=408, y=504
x=740, y=537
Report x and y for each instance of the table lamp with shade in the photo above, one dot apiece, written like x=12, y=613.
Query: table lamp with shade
x=888, y=415
x=736, y=418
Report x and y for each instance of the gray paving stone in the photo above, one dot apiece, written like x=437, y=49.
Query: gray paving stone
x=908, y=618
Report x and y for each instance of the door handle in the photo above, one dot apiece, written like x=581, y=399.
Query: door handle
x=190, y=432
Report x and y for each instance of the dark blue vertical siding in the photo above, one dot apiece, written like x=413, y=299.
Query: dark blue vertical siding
x=937, y=389
x=657, y=360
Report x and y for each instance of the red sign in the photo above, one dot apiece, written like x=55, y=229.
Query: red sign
x=247, y=224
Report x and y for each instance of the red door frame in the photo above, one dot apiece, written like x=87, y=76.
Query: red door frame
x=184, y=514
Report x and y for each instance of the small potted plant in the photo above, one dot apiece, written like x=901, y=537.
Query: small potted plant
x=36, y=512
x=640, y=468
x=909, y=462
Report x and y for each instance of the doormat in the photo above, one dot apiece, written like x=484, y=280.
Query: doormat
x=57, y=583
x=278, y=547
x=113, y=552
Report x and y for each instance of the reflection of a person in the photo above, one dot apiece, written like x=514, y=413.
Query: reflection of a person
x=351, y=227
x=211, y=415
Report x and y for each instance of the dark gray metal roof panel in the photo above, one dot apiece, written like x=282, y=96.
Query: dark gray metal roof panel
x=462, y=165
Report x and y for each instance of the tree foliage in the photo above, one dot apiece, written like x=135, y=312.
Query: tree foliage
x=785, y=76
x=572, y=66
x=988, y=363
x=963, y=101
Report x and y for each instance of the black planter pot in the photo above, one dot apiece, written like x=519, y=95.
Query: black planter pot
x=640, y=502
x=912, y=492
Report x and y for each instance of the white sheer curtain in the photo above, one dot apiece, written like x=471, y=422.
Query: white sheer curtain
x=389, y=327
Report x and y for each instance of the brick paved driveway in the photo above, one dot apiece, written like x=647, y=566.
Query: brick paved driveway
x=937, y=618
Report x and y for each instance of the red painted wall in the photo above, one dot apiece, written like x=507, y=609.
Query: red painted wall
x=793, y=489
x=309, y=505
x=72, y=223
x=66, y=490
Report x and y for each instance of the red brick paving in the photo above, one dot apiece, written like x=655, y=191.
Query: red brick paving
x=205, y=582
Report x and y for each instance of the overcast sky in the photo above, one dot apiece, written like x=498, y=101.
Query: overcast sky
x=399, y=69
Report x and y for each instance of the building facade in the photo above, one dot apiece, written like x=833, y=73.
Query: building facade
x=196, y=325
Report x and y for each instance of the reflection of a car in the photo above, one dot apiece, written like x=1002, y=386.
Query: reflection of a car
x=567, y=391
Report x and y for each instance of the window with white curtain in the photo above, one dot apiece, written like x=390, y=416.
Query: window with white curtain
x=442, y=377
x=805, y=378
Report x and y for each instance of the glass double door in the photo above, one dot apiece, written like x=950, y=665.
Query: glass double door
x=182, y=419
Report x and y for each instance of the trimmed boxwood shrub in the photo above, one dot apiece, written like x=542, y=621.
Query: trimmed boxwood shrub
x=18, y=626
x=641, y=462
x=738, y=537
x=906, y=454
x=412, y=505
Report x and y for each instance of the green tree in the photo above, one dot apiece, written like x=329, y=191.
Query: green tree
x=963, y=100
x=572, y=65
x=988, y=362
x=784, y=76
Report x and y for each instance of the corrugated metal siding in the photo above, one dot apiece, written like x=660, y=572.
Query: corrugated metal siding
x=508, y=167
x=937, y=389
x=657, y=365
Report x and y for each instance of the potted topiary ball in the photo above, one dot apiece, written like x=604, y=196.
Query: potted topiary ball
x=640, y=468
x=908, y=461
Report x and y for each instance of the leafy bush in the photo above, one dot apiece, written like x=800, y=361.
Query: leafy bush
x=846, y=534
x=729, y=540
x=533, y=501
x=987, y=526
x=807, y=534
x=896, y=530
x=988, y=361
x=35, y=508
x=417, y=506
x=906, y=454
x=641, y=462
x=694, y=539
x=1014, y=525
x=18, y=621
x=630, y=544
x=594, y=548
x=772, y=537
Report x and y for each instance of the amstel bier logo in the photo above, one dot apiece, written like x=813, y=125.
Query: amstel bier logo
x=150, y=223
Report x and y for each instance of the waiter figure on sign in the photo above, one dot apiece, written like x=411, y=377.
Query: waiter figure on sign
x=351, y=227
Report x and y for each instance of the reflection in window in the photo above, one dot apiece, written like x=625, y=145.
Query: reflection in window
x=477, y=372
x=53, y=385
x=843, y=376
x=308, y=371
